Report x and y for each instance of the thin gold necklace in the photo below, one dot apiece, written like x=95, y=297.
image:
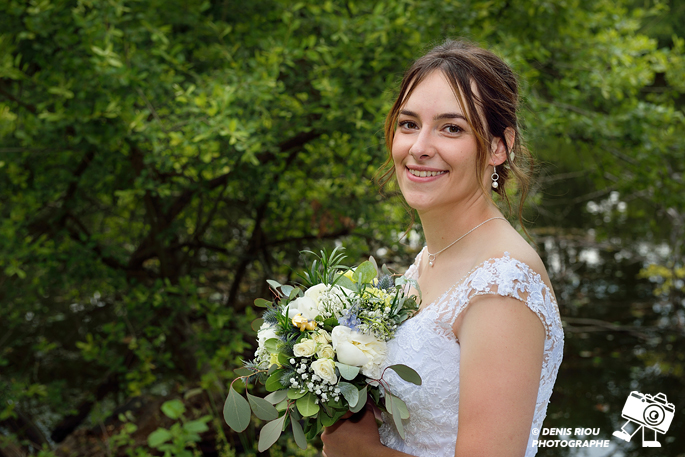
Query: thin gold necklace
x=431, y=257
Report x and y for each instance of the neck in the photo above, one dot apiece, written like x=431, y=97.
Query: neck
x=441, y=226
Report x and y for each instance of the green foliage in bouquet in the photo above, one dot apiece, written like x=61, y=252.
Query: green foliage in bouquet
x=321, y=350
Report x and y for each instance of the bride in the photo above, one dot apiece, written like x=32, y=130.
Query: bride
x=487, y=340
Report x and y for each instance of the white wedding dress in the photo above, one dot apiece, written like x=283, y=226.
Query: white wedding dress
x=427, y=343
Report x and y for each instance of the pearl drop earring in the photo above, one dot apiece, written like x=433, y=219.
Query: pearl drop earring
x=494, y=178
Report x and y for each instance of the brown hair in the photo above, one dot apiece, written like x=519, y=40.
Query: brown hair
x=490, y=112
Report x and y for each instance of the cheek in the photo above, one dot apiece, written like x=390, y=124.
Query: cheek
x=399, y=150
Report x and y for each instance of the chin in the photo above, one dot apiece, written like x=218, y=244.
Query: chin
x=418, y=203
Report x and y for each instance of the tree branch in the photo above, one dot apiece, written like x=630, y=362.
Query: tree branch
x=9, y=96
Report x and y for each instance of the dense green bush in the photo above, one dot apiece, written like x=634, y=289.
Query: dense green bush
x=160, y=159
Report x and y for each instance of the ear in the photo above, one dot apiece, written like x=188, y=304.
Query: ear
x=498, y=152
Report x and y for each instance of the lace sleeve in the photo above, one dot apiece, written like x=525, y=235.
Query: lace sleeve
x=509, y=277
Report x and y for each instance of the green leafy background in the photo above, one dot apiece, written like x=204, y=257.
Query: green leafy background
x=160, y=159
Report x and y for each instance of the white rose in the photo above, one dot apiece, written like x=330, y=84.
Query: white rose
x=266, y=332
x=322, y=337
x=325, y=351
x=305, y=348
x=325, y=369
x=359, y=350
x=305, y=306
x=314, y=292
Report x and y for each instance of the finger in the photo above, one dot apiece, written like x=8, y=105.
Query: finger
x=347, y=415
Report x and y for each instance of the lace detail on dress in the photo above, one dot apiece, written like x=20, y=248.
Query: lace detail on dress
x=427, y=343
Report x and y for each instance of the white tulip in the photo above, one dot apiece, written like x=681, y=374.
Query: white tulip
x=359, y=350
x=305, y=306
x=314, y=292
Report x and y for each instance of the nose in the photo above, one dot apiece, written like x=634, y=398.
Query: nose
x=423, y=147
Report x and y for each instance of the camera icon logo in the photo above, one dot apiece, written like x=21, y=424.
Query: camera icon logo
x=646, y=412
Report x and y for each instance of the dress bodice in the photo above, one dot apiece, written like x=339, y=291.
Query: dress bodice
x=427, y=343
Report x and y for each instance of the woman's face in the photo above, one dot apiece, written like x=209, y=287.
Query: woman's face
x=434, y=149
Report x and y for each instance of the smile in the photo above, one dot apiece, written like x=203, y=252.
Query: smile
x=424, y=174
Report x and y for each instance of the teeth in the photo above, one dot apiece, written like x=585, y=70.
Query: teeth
x=423, y=174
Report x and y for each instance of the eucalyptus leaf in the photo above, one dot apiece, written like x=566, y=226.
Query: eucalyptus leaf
x=294, y=394
x=396, y=417
x=364, y=273
x=406, y=373
x=283, y=359
x=261, y=303
x=347, y=371
x=314, y=427
x=262, y=408
x=274, y=284
x=272, y=345
x=327, y=419
x=401, y=407
x=270, y=433
x=375, y=265
x=294, y=293
x=276, y=397
x=256, y=324
x=361, y=402
x=243, y=371
x=282, y=406
x=274, y=381
x=344, y=281
x=286, y=289
x=298, y=434
x=295, y=414
x=307, y=405
x=236, y=411
x=350, y=393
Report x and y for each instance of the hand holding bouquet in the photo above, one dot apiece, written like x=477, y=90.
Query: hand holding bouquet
x=320, y=350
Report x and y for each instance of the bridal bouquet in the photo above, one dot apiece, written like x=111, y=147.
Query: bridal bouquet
x=321, y=348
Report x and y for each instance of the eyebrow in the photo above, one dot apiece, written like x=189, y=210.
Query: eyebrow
x=438, y=117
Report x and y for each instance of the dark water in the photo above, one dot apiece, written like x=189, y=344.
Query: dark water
x=620, y=338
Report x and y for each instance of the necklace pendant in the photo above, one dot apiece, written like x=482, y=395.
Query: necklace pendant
x=431, y=259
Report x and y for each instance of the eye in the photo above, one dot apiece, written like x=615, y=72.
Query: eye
x=408, y=124
x=453, y=128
